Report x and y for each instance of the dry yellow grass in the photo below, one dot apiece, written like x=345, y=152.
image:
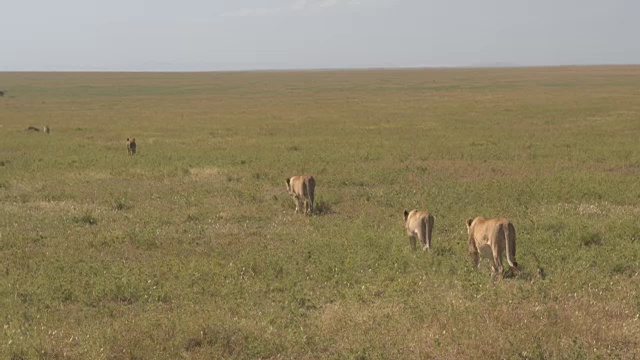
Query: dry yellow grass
x=191, y=249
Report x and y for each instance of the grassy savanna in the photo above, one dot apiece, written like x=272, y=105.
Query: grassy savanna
x=191, y=249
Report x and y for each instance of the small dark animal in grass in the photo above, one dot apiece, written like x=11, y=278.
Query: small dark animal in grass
x=46, y=129
x=302, y=189
x=131, y=146
x=492, y=238
x=419, y=225
x=33, y=128
x=1, y=93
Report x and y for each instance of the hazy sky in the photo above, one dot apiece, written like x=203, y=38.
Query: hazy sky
x=284, y=34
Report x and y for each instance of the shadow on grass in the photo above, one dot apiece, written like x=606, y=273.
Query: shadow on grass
x=322, y=208
x=86, y=219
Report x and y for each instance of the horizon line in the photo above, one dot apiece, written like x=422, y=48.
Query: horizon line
x=317, y=69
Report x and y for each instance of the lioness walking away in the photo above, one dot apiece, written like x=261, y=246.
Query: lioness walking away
x=491, y=238
x=302, y=189
x=131, y=146
x=419, y=225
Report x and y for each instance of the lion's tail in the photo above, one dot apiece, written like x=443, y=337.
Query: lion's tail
x=311, y=191
x=428, y=228
x=424, y=232
x=510, y=240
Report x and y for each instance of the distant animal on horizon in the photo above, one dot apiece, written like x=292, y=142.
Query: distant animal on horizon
x=33, y=128
x=131, y=146
x=419, y=225
x=1, y=93
x=302, y=189
x=492, y=238
x=46, y=129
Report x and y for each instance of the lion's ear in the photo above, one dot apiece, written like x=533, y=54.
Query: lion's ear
x=469, y=221
x=406, y=214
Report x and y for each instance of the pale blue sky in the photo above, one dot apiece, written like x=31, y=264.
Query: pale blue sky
x=294, y=34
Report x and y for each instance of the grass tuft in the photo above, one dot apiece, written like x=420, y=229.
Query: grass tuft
x=322, y=208
x=121, y=204
x=591, y=239
x=85, y=219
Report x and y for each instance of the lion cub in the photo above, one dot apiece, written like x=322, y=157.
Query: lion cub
x=492, y=238
x=419, y=224
x=131, y=146
x=302, y=189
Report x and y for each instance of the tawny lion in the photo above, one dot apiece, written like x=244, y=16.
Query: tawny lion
x=131, y=146
x=492, y=238
x=419, y=225
x=302, y=189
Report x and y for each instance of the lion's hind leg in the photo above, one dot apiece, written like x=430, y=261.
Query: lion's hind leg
x=296, y=200
x=413, y=241
x=474, y=252
x=496, y=260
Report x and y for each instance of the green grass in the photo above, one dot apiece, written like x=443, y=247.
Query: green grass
x=191, y=249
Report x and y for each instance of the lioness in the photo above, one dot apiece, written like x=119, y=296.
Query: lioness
x=419, y=224
x=492, y=237
x=131, y=146
x=302, y=189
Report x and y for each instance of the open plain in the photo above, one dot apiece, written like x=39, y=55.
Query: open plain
x=191, y=248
